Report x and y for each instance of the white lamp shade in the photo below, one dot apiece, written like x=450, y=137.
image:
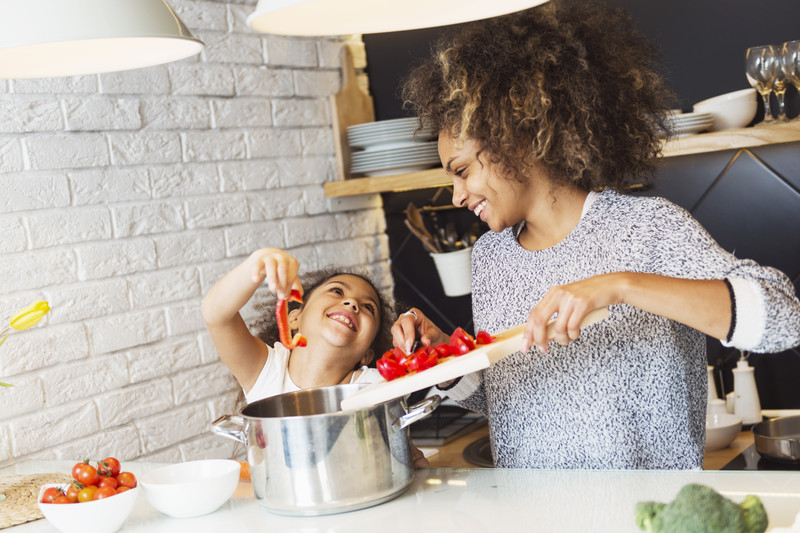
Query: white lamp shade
x=343, y=17
x=51, y=38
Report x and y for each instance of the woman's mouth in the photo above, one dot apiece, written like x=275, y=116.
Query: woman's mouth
x=344, y=318
x=478, y=209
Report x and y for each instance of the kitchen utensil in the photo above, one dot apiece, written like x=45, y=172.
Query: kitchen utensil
x=310, y=456
x=778, y=439
x=455, y=271
x=414, y=215
x=427, y=242
x=506, y=343
x=194, y=488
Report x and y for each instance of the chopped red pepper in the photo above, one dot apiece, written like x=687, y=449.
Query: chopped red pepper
x=282, y=314
x=422, y=359
x=483, y=338
x=395, y=363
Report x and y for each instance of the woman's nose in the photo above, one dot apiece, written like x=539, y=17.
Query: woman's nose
x=459, y=195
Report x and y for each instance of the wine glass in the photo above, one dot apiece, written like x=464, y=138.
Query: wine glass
x=761, y=68
x=790, y=64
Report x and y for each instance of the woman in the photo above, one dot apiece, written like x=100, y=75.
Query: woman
x=536, y=111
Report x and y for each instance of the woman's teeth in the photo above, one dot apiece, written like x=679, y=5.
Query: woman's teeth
x=479, y=208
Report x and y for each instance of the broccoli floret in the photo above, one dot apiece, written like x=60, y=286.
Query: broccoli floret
x=701, y=509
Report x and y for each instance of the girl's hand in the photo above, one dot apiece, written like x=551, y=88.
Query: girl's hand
x=279, y=268
x=412, y=325
x=571, y=302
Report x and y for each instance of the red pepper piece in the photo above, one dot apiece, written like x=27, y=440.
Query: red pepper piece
x=483, y=338
x=282, y=314
x=443, y=350
x=462, y=335
x=389, y=367
x=459, y=346
x=423, y=359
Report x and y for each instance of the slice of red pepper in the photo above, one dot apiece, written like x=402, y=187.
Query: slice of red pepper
x=423, y=359
x=389, y=367
x=282, y=314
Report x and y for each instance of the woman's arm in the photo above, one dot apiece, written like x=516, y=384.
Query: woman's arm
x=243, y=353
x=704, y=305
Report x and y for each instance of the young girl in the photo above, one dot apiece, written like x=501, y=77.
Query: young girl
x=344, y=318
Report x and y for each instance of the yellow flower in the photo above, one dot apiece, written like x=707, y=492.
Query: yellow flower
x=23, y=319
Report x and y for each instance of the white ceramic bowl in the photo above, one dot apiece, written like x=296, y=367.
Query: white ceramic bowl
x=100, y=516
x=721, y=430
x=730, y=110
x=191, y=489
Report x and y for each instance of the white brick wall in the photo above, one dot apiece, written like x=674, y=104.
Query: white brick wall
x=125, y=197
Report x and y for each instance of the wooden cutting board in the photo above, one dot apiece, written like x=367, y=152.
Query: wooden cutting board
x=506, y=343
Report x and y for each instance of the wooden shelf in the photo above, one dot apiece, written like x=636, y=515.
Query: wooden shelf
x=759, y=135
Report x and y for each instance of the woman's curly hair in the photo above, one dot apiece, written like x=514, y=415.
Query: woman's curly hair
x=574, y=88
x=266, y=326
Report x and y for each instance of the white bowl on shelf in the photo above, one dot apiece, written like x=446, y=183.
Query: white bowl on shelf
x=99, y=516
x=193, y=488
x=721, y=430
x=731, y=110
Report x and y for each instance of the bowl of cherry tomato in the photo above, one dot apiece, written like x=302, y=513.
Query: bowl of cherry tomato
x=99, y=499
x=193, y=488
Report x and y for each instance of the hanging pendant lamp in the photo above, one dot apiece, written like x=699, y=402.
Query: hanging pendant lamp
x=51, y=38
x=342, y=17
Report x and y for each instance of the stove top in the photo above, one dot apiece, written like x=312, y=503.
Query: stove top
x=750, y=459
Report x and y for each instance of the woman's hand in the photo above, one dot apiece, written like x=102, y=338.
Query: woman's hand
x=279, y=268
x=572, y=302
x=412, y=325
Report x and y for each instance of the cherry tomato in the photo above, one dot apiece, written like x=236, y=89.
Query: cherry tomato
x=122, y=489
x=50, y=494
x=73, y=490
x=126, y=479
x=460, y=338
x=104, y=492
x=108, y=467
x=87, y=493
x=105, y=481
x=85, y=473
x=63, y=499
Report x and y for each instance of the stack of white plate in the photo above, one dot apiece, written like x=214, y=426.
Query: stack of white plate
x=391, y=147
x=689, y=123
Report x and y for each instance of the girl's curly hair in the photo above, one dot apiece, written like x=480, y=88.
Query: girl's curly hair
x=266, y=326
x=574, y=88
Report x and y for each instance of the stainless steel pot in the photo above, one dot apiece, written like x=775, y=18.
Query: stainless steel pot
x=779, y=439
x=308, y=457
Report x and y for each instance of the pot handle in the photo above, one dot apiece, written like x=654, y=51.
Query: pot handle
x=223, y=426
x=419, y=410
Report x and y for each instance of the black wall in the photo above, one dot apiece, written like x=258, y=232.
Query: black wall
x=703, y=43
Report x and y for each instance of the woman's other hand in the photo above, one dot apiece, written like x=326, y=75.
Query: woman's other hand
x=413, y=325
x=279, y=268
x=571, y=303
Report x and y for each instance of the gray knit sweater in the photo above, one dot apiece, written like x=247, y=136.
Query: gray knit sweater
x=631, y=391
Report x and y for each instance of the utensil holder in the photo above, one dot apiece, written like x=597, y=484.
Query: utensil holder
x=455, y=271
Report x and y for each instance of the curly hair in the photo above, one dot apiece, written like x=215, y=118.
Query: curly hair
x=573, y=88
x=266, y=326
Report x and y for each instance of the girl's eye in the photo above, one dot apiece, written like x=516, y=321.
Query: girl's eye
x=370, y=308
x=337, y=290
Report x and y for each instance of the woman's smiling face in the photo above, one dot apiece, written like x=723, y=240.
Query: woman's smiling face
x=478, y=186
x=344, y=311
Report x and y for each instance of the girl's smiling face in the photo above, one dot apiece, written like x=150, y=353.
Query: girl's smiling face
x=479, y=187
x=343, y=311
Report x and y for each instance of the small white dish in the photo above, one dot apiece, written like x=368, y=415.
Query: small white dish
x=721, y=430
x=191, y=489
x=99, y=516
x=731, y=110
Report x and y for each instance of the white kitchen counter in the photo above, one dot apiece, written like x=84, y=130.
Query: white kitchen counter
x=459, y=500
